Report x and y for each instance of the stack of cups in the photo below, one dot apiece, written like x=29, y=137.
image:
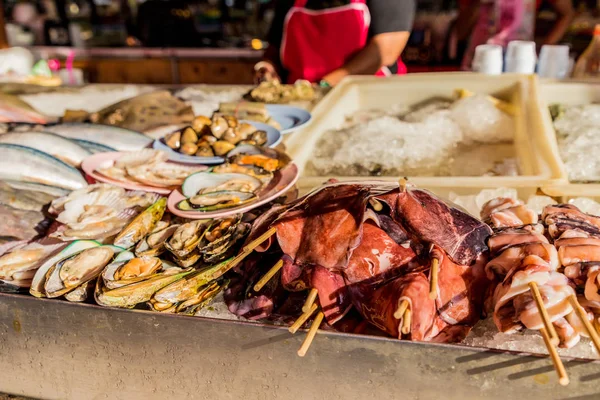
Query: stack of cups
x=554, y=62
x=488, y=59
x=520, y=57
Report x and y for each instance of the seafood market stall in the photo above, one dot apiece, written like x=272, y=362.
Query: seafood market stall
x=220, y=242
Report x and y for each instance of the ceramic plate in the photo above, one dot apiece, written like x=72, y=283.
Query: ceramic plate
x=290, y=118
x=273, y=139
x=282, y=181
x=91, y=163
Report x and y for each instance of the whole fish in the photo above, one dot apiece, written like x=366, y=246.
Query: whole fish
x=53, y=144
x=94, y=147
x=25, y=164
x=53, y=191
x=111, y=136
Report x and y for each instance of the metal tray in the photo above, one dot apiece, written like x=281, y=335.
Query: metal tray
x=58, y=350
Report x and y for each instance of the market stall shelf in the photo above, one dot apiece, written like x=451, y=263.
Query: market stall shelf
x=250, y=360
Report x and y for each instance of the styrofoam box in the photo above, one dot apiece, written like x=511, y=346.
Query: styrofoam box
x=571, y=93
x=536, y=152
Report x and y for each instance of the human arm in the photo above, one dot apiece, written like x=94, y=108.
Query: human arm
x=564, y=15
x=391, y=23
x=270, y=67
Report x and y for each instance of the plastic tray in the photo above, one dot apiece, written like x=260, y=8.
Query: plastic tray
x=537, y=158
x=572, y=93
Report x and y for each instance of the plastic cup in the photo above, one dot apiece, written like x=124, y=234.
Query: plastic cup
x=487, y=59
x=554, y=61
x=520, y=57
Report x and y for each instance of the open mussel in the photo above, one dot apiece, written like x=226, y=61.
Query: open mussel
x=183, y=244
x=68, y=274
x=223, y=239
x=154, y=243
x=142, y=225
x=262, y=175
x=40, y=277
x=216, y=201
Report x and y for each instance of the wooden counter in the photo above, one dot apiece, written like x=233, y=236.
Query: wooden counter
x=159, y=66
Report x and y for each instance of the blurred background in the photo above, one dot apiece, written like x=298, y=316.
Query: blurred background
x=217, y=41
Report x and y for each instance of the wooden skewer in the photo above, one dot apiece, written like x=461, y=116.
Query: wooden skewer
x=563, y=378
x=376, y=204
x=246, y=251
x=586, y=323
x=402, y=306
x=311, y=334
x=268, y=276
x=312, y=296
x=403, y=182
x=544, y=313
x=406, y=322
x=302, y=319
x=597, y=324
x=433, y=282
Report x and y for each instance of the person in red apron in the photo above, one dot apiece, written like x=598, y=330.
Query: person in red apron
x=324, y=41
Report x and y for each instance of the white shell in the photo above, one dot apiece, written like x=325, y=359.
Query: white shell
x=203, y=180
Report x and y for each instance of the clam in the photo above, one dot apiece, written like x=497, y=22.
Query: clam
x=216, y=201
x=245, y=130
x=189, y=136
x=222, y=147
x=130, y=295
x=231, y=121
x=232, y=136
x=208, y=138
x=141, y=225
x=189, y=149
x=205, y=151
x=18, y=267
x=173, y=140
x=39, y=279
x=219, y=126
x=186, y=237
x=260, y=137
x=68, y=274
x=201, y=123
x=255, y=172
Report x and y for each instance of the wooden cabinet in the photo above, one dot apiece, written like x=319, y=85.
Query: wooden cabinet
x=236, y=72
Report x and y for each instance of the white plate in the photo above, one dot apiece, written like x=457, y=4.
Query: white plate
x=273, y=139
x=289, y=118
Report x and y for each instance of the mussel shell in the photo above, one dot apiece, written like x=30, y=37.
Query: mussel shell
x=202, y=182
x=256, y=172
x=173, y=140
x=39, y=279
x=186, y=237
x=81, y=293
x=188, y=136
x=240, y=154
x=143, y=224
x=67, y=274
x=225, y=246
x=206, y=202
x=222, y=147
x=219, y=126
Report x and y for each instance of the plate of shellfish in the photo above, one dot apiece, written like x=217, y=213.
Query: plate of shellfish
x=251, y=177
x=147, y=169
x=210, y=140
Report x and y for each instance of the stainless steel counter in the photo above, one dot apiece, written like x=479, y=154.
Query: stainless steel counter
x=59, y=350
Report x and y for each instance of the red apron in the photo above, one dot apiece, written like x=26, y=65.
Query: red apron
x=317, y=42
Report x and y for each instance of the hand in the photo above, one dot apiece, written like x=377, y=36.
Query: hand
x=264, y=71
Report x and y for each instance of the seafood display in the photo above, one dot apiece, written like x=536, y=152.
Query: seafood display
x=471, y=136
x=576, y=129
x=65, y=150
x=147, y=167
x=208, y=137
x=13, y=109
